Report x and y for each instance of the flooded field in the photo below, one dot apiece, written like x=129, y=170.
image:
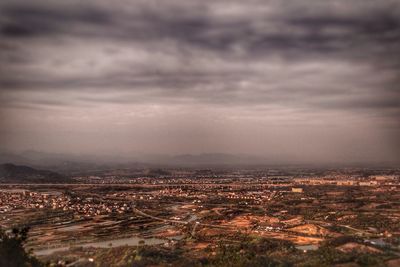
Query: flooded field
x=132, y=241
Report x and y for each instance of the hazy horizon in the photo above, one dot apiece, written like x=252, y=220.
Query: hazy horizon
x=294, y=81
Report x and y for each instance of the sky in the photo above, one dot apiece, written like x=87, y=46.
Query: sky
x=301, y=81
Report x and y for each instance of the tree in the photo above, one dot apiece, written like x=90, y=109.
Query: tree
x=12, y=252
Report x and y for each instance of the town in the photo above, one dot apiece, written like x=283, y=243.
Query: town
x=195, y=209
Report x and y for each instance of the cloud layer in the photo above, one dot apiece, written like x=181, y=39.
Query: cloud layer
x=206, y=68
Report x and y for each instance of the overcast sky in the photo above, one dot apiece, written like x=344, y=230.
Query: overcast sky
x=304, y=80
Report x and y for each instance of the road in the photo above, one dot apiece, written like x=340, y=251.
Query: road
x=137, y=211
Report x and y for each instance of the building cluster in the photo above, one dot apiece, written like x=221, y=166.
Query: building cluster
x=381, y=180
x=23, y=199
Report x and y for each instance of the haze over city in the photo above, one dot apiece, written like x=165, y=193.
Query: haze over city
x=290, y=81
x=207, y=133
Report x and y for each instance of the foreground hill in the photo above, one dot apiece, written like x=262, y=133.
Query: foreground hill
x=10, y=173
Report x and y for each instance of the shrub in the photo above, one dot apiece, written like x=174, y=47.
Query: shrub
x=12, y=252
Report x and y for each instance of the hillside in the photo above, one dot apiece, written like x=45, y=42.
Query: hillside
x=10, y=173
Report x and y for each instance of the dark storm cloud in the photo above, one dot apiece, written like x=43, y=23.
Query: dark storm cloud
x=298, y=57
x=28, y=20
x=364, y=35
x=192, y=27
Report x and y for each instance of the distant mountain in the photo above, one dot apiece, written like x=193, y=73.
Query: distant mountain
x=62, y=163
x=10, y=173
x=75, y=163
x=11, y=157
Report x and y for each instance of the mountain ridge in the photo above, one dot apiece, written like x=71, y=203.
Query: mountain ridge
x=11, y=173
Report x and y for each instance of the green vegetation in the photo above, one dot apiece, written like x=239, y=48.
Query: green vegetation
x=12, y=252
x=242, y=251
x=257, y=252
x=143, y=256
x=329, y=255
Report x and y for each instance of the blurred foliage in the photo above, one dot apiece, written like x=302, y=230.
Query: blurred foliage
x=12, y=252
x=256, y=252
